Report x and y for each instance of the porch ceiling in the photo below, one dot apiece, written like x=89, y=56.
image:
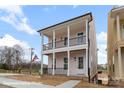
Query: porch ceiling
x=118, y=11
x=62, y=30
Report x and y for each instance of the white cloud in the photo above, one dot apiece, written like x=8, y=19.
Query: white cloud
x=75, y=6
x=12, y=9
x=10, y=41
x=102, y=37
x=50, y=8
x=102, y=45
x=14, y=16
x=46, y=9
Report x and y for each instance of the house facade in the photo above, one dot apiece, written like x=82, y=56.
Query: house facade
x=71, y=47
x=115, y=43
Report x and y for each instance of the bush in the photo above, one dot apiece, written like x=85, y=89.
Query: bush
x=4, y=66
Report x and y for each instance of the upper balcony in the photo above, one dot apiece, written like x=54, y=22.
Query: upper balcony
x=80, y=40
x=71, y=34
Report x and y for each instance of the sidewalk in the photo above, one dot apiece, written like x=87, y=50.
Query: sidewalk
x=26, y=84
x=22, y=84
x=69, y=84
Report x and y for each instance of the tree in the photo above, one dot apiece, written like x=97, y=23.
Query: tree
x=11, y=56
x=18, y=56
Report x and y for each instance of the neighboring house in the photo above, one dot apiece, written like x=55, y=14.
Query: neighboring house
x=69, y=50
x=115, y=44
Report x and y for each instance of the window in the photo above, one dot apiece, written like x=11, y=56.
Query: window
x=65, y=63
x=65, y=41
x=80, y=63
x=80, y=37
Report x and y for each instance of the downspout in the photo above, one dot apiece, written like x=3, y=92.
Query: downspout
x=89, y=50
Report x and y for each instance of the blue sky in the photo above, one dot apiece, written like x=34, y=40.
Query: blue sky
x=18, y=24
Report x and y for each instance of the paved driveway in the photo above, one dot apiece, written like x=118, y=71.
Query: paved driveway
x=25, y=84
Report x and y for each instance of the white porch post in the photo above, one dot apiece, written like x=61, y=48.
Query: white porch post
x=120, y=64
x=119, y=49
x=68, y=52
x=53, y=70
x=86, y=66
x=118, y=27
x=86, y=23
x=42, y=41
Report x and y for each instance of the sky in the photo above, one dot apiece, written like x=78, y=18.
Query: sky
x=19, y=25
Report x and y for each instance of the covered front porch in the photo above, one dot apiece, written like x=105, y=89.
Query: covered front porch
x=118, y=63
x=72, y=63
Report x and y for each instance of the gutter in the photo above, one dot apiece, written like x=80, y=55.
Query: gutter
x=89, y=49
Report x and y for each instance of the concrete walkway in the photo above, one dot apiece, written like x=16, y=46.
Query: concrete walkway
x=68, y=84
x=22, y=84
x=25, y=84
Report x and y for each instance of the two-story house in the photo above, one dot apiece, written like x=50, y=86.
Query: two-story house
x=71, y=47
x=115, y=44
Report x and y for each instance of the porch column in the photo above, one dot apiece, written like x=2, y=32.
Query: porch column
x=68, y=52
x=118, y=27
x=86, y=66
x=53, y=70
x=86, y=23
x=119, y=49
x=120, y=64
x=42, y=42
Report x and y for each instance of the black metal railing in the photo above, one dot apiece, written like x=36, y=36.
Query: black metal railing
x=78, y=40
x=63, y=43
x=56, y=71
x=48, y=46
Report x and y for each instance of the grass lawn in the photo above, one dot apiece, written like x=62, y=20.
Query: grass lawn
x=85, y=84
x=45, y=79
x=59, y=79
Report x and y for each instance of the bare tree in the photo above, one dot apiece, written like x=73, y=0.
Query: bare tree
x=18, y=56
x=11, y=56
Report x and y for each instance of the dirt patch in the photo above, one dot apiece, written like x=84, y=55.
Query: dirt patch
x=84, y=84
x=49, y=80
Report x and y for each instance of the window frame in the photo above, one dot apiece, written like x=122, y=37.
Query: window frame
x=65, y=65
x=80, y=63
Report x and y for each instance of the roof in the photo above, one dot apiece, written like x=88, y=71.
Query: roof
x=66, y=21
x=117, y=8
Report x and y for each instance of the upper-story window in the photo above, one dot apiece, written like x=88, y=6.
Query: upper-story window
x=80, y=37
x=65, y=41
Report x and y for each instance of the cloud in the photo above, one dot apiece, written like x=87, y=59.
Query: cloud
x=75, y=6
x=10, y=41
x=46, y=9
x=102, y=37
x=102, y=45
x=50, y=8
x=14, y=16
